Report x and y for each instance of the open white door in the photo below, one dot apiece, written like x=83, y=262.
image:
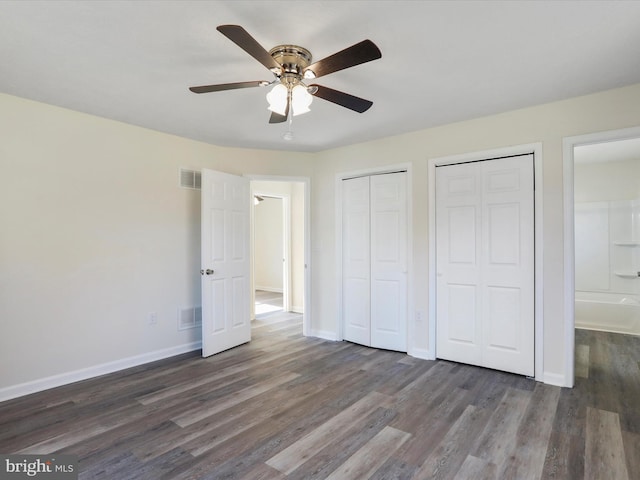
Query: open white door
x=226, y=297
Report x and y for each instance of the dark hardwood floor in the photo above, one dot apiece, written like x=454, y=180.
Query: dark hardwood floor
x=289, y=407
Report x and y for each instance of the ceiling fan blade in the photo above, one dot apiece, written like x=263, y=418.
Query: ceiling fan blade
x=277, y=118
x=241, y=37
x=227, y=86
x=362, y=52
x=351, y=102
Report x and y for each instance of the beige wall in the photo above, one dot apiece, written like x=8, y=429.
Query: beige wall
x=96, y=233
x=549, y=124
x=268, y=247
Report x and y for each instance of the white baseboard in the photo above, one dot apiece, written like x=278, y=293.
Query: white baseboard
x=421, y=353
x=269, y=289
x=296, y=309
x=556, y=379
x=15, y=391
x=324, y=334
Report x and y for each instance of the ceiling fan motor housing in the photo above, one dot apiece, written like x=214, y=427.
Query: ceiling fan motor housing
x=294, y=60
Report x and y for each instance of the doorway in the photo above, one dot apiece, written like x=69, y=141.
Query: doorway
x=271, y=251
x=570, y=145
x=607, y=236
x=279, y=245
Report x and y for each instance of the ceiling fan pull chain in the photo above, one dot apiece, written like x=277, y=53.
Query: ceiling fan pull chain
x=288, y=135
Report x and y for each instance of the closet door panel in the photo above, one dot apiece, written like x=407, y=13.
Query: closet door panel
x=508, y=264
x=356, y=253
x=389, y=261
x=458, y=224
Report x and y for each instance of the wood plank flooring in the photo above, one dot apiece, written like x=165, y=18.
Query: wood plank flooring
x=289, y=407
x=267, y=304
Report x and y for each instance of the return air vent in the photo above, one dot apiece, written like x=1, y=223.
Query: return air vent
x=190, y=179
x=189, y=317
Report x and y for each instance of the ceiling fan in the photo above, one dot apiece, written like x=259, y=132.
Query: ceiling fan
x=291, y=64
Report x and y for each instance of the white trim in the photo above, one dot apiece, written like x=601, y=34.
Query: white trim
x=269, y=289
x=411, y=308
x=297, y=309
x=568, y=145
x=286, y=268
x=421, y=353
x=408, y=167
x=556, y=379
x=66, y=378
x=306, y=181
x=536, y=148
x=324, y=334
x=338, y=229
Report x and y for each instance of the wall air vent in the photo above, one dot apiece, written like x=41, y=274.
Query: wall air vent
x=189, y=317
x=190, y=179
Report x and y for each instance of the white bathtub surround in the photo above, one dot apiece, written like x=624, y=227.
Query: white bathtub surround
x=609, y=312
x=607, y=251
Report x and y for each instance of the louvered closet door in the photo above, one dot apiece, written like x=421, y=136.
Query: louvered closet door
x=374, y=248
x=485, y=263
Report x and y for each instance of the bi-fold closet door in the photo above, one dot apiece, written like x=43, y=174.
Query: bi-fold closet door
x=374, y=265
x=485, y=263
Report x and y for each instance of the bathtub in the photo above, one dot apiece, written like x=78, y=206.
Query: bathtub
x=611, y=312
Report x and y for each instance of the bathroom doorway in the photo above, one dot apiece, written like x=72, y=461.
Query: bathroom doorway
x=600, y=255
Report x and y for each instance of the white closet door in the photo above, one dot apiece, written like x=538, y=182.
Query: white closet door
x=458, y=297
x=374, y=250
x=389, y=261
x=508, y=264
x=356, y=270
x=485, y=263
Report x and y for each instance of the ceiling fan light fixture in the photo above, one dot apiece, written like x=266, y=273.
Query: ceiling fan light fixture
x=277, y=99
x=291, y=64
x=300, y=100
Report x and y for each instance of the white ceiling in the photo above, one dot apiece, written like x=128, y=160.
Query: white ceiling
x=442, y=62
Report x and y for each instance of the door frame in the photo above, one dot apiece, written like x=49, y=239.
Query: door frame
x=306, y=181
x=339, y=177
x=536, y=149
x=568, y=144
